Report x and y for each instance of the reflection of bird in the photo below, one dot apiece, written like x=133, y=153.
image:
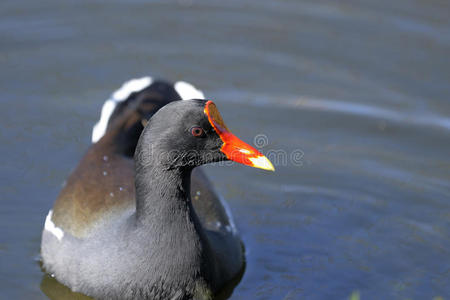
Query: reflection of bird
x=124, y=230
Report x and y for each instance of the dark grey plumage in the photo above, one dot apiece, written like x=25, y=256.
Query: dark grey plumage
x=162, y=249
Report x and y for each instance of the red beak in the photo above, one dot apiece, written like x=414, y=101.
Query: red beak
x=234, y=148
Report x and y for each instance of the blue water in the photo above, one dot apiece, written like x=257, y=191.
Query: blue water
x=353, y=95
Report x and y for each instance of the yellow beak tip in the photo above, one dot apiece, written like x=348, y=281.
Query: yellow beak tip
x=262, y=162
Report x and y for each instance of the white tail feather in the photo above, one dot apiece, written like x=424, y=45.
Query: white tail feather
x=184, y=89
x=187, y=91
x=129, y=87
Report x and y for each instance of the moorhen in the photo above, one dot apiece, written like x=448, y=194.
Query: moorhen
x=124, y=229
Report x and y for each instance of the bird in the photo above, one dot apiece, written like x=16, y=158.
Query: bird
x=138, y=218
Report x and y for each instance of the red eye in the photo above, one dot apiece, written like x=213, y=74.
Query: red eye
x=197, y=131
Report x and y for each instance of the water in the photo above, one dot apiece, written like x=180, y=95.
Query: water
x=359, y=89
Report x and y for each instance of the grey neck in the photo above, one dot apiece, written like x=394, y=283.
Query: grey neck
x=162, y=194
x=164, y=211
x=162, y=190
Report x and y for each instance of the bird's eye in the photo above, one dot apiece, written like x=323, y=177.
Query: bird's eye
x=197, y=131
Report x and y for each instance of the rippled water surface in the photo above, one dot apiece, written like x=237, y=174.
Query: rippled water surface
x=352, y=96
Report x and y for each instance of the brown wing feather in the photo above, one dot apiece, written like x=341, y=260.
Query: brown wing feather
x=102, y=183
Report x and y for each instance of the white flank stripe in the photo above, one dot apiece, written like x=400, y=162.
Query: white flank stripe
x=129, y=87
x=187, y=91
x=50, y=227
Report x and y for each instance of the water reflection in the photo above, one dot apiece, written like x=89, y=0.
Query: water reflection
x=57, y=291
